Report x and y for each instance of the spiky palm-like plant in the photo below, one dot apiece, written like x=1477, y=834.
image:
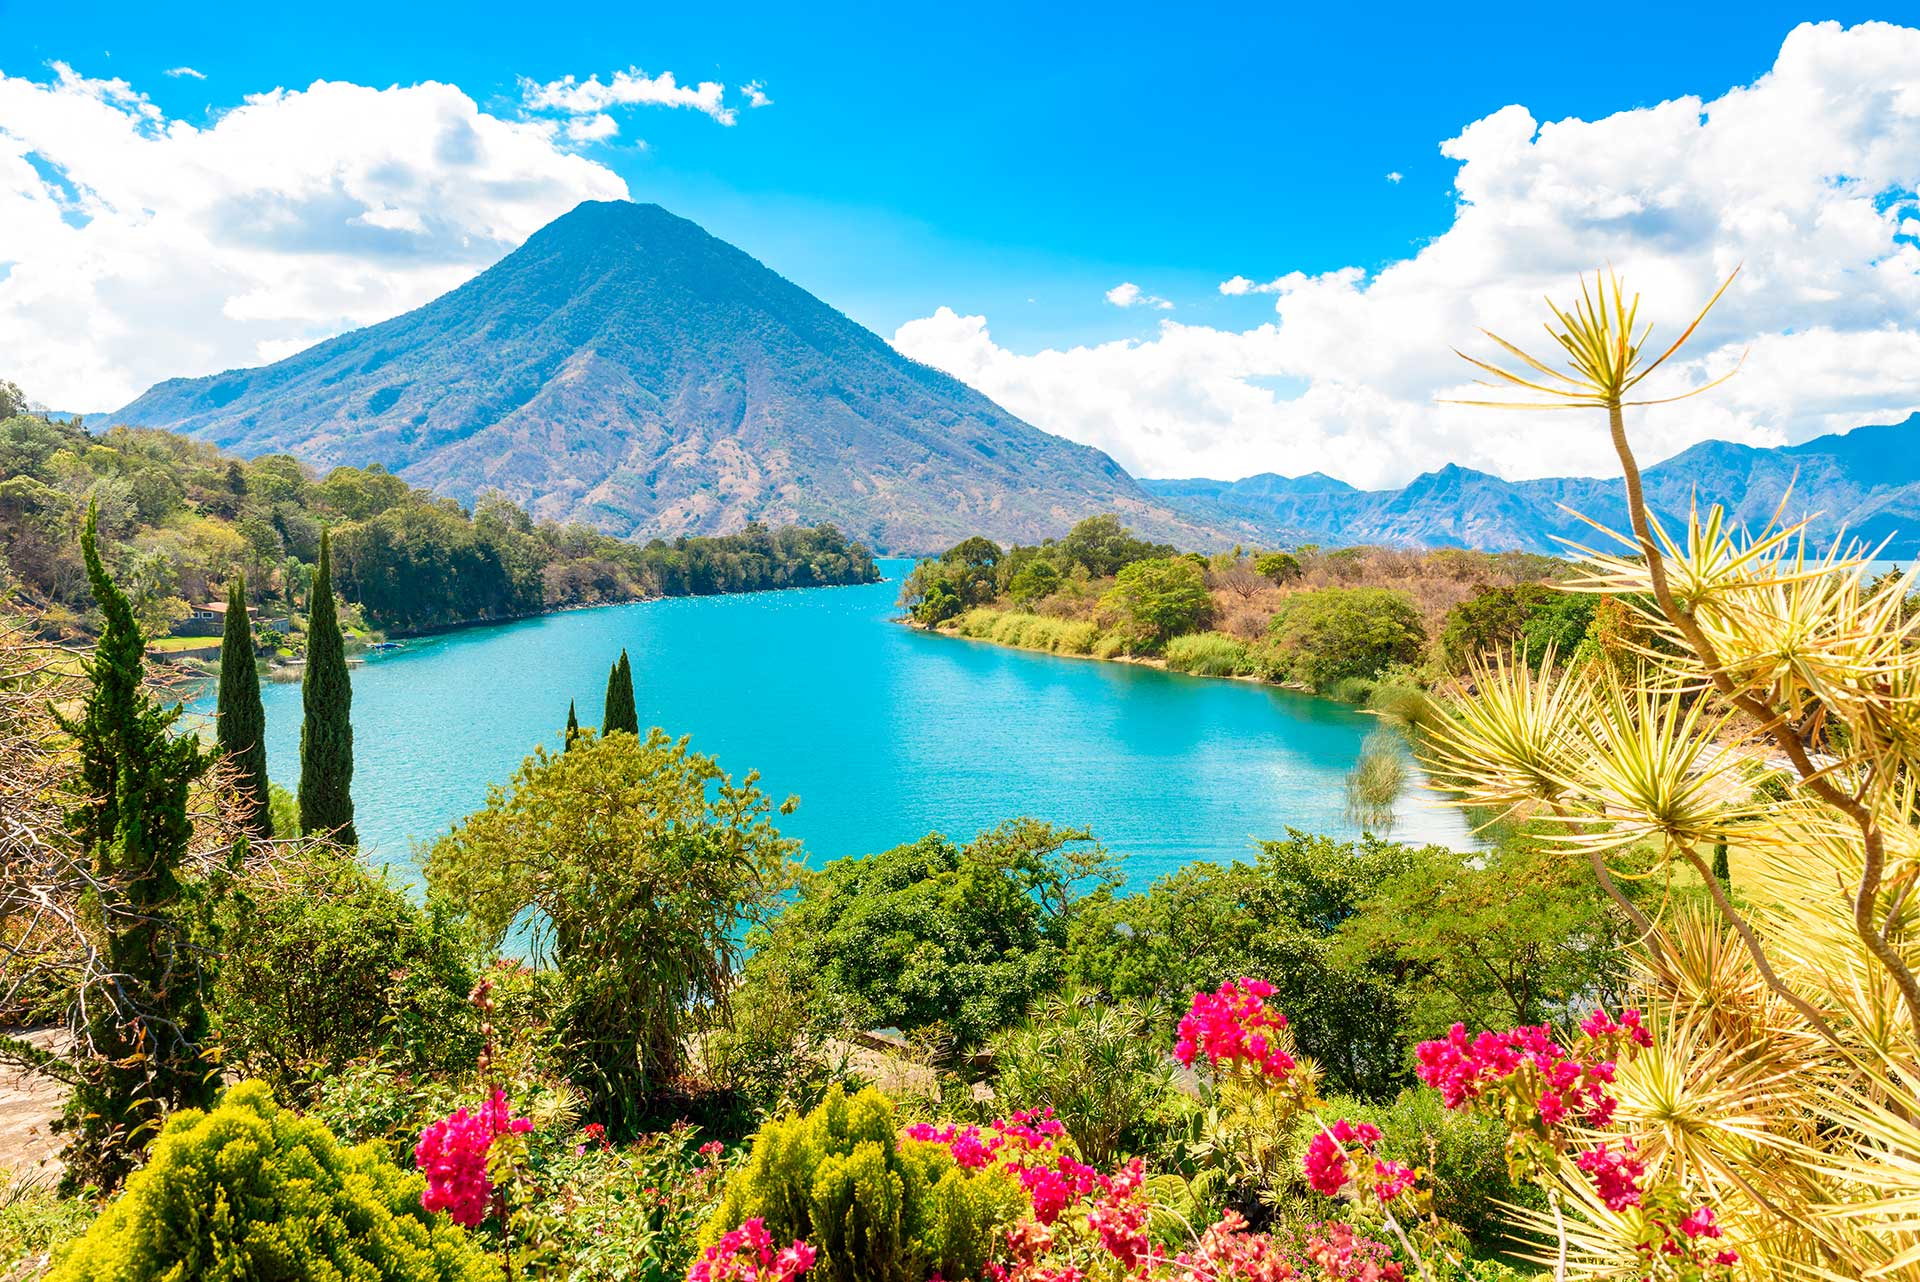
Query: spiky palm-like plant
x=1783, y=1084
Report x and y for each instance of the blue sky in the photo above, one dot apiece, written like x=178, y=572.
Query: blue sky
x=983, y=186
x=982, y=156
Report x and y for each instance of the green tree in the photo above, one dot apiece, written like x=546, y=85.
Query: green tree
x=145, y=1010
x=936, y=939
x=1100, y=1065
x=620, y=712
x=326, y=727
x=1104, y=546
x=12, y=400
x=1158, y=599
x=1333, y=634
x=573, y=726
x=1281, y=567
x=241, y=720
x=1036, y=579
x=644, y=861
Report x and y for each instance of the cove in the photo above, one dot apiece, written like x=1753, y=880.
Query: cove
x=883, y=732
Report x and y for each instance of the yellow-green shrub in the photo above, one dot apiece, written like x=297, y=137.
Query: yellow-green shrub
x=251, y=1190
x=1028, y=631
x=876, y=1207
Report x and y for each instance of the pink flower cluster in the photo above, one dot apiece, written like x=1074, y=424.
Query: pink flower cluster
x=747, y=1255
x=1024, y=1144
x=1462, y=1069
x=1329, y=1163
x=453, y=1154
x=1119, y=1216
x=1233, y=1025
x=1615, y=1176
x=1226, y=1252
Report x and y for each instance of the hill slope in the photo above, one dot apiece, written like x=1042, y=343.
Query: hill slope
x=1867, y=480
x=627, y=369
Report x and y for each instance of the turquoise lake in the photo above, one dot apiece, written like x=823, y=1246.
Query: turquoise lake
x=884, y=733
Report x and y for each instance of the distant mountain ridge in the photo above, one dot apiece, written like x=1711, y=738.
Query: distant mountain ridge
x=627, y=369
x=1866, y=480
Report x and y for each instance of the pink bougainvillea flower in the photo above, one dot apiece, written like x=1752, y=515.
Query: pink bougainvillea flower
x=1616, y=1176
x=452, y=1153
x=746, y=1254
x=1233, y=1025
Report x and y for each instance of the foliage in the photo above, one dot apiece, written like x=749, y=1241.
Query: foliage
x=1280, y=918
x=877, y=1208
x=939, y=940
x=1531, y=617
x=1158, y=599
x=1334, y=633
x=643, y=860
x=327, y=962
x=35, y=1223
x=1103, y=547
x=179, y=520
x=250, y=1190
x=1376, y=780
x=1028, y=631
x=1098, y=1065
x=1209, y=654
x=1281, y=567
x=326, y=723
x=143, y=1018
x=240, y=722
x=632, y=1214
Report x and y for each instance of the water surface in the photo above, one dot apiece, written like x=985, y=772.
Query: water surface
x=883, y=732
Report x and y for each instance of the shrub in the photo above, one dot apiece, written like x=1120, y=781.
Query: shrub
x=1099, y=1065
x=334, y=962
x=1333, y=633
x=34, y=1222
x=250, y=1190
x=876, y=1207
x=1281, y=567
x=1209, y=654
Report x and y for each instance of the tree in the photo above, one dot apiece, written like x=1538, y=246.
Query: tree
x=934, y=938
x=1334, y=634
x=1160, y=598
x=12, y=400
x=1103, y=545
x=644, y=861
x=573, y=726
x=240, y=722
x=145, y=1019
x=1281, y=567
x=620, y=713
x=326, y=727
x=1036, y=579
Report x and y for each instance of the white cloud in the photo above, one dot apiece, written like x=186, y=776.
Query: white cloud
x=1395, y=176
x=1128, y=294
x=1808, y=176
x=632, y=87
x=756, y=94
x=139, y=247
x=189, y=72
x=595, y=128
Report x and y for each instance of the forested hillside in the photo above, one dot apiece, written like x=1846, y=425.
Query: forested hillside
x=180, y=518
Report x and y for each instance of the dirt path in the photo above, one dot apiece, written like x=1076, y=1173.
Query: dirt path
x=28, y=1104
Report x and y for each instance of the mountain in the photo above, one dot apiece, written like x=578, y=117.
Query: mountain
x=626, y=369
x=1866, y=480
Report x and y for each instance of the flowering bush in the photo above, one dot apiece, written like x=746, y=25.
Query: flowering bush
x=452, y=1154
x=746, y=1254
x=1232, y=1026
x=1343, y=1152
x=1025, y=1146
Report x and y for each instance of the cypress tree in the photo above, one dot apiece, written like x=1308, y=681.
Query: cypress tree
x=326, y=728
x=1722, y=872
x=621, y=713
x=145, y=1011
x=241, y=723
x=573, y=726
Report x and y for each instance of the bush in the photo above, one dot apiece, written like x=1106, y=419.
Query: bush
x=333, y=963
x=876, y=1207
x=34, y=1222
x=1100, y=1066
x=1209, y=654
x=1028, y=631
x=1335, y=633
x=250, y=1190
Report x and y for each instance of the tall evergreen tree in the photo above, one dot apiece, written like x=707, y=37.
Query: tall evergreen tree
x=326, y=730
x=241, y=723
x=146, y=1017
x=621, y=713
x=573, y=725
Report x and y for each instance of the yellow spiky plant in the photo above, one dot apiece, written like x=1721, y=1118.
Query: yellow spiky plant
x=1783, y=1084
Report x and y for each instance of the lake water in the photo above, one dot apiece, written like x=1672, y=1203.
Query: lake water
x=883, y=732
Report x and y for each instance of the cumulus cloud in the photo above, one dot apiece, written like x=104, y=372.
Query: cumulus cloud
x=629, y=88
x=1128, y=294
x=1808, y=176
x=1394, y=176
x=140, y=247
x=756, y=94
x=189, y=72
